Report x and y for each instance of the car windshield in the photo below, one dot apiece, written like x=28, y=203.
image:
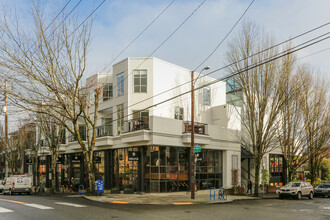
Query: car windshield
x=292, y=184
x=323, y=186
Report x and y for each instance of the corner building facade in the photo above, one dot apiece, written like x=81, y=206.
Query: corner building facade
x=142, y=149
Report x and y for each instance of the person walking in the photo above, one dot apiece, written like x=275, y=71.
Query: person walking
x=249, y=187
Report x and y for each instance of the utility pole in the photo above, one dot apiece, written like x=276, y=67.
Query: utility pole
x=6, y=128
x=192, y=155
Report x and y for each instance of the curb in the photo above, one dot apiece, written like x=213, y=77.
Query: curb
x=173, y=203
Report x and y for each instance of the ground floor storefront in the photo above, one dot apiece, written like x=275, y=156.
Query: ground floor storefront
x=137, y=169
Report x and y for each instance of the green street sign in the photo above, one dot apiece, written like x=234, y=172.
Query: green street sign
x=197, y=149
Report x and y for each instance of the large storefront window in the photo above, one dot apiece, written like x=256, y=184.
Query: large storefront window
x=276, y=168
x=125, y=171
x=209, y=169
x=166, y=169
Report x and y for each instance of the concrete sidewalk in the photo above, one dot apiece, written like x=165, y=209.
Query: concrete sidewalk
x=173, y=198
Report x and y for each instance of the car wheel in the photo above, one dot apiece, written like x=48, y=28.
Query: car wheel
x=299, y=196
x=280, y=196
x=310, y=195
x=28, y=193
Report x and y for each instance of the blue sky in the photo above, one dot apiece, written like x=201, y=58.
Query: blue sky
x=118, y=22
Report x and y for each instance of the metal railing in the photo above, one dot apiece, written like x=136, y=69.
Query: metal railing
x=104, y=130
x=200, y=128
x=137, y=124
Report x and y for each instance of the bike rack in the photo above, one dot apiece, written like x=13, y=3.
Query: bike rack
x=81, y=190
x=211, y=193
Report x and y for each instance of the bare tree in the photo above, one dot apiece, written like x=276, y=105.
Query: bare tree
x=315, y=106
x=261, y=92
x=47, y=69
x=53, y=132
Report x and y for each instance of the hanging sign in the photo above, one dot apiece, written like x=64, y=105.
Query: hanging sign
x=76, y=159
x=133, y=155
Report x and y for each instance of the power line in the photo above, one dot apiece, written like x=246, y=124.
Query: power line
x=278, y=56
x=223, y=39
x=228, y=65
x=137, y=37
x=190, y=15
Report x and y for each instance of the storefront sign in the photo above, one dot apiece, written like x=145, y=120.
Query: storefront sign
x=133, y=156
x=28, y=162
x=42, y=160
x=76, y=159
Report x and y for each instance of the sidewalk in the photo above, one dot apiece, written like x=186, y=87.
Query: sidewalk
x=173, y=198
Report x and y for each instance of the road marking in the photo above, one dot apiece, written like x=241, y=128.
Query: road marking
x=119, y=202
x=8, y=200
x=71, y=204
x=4, y=210
x=182, y=203
x=39, y=206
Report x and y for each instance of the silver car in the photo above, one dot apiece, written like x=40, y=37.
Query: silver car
x=296, y=190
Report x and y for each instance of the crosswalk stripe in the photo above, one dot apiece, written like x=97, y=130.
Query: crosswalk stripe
x=39, y=206
x=71, y=204
x=4, y=210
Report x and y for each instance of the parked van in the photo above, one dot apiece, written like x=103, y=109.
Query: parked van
x=18, y=184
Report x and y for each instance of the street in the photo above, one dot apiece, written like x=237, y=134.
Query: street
x=59, y=207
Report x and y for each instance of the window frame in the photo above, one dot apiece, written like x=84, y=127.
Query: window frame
x=108, y=89
x=139, y=75
x=120, y=84
x=178, y=113
x=207, y=96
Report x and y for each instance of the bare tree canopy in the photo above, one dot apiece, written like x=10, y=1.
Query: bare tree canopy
x=47, y=70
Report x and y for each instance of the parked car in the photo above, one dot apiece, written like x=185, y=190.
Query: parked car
x=296, y=190
x=2, y=182
x=18, y=184
x=322, y=189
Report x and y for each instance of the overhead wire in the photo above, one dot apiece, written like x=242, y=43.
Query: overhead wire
x=278, y=56
x=153, y=21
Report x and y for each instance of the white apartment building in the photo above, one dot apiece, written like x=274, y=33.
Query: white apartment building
x=143, y=136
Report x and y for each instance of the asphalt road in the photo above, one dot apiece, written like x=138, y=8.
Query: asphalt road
x=59, y=207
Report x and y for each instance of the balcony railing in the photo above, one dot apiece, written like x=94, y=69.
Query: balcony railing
x=137, y=124
x=104, y=130
x=200, y=128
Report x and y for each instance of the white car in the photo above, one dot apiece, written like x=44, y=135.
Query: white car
x=18, y=184
x=296, y=190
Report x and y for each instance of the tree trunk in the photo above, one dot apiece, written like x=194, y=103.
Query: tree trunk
x=53, y=167
x=91, y=174
x=257, y=177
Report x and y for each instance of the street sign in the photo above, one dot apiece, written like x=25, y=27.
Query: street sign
x=197, y=149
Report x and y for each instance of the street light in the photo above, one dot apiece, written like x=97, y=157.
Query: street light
x=192, y=155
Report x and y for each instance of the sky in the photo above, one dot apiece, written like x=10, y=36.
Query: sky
x=118, y=22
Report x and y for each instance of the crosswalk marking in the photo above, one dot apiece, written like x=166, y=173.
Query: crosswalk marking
x=71, y=204
x=4, y=210
x=39, y=206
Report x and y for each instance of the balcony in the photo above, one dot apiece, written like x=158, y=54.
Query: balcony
x=104, y=130
x=200, y=128
x=137, y=124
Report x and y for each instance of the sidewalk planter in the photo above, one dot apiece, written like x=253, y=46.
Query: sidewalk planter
x=235, y=191
x=115, y=191
x=128, y=191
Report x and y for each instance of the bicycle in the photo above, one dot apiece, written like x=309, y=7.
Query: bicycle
x=222, y=194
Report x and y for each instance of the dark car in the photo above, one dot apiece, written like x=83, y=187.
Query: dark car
x=322, y=189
